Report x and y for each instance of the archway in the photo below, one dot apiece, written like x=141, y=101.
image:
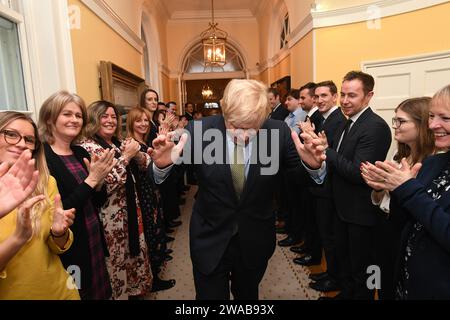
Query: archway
x=196, y=77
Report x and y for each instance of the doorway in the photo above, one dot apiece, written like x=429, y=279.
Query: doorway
x=207, y=104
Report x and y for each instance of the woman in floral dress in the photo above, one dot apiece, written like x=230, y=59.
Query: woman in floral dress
x=128, y=262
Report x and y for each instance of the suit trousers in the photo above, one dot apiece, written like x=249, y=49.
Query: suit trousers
x=326, y=216
x=387, y=251
x=355, y=253
x=170, y=199
x=295, y=223
x=282, y=200
x=311, y=234
x=231, y=268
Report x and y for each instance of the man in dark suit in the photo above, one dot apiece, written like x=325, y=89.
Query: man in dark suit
x=232, y=233
x=308, y=103
x=172, y=107
x=189, y=114
x=305, y=219
x=189, y=111
x=280, y=202
x=364, y=137
x=326, y=98
x=279, y=112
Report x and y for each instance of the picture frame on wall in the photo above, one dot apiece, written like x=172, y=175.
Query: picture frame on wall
x=120, y=87
x=283, y=86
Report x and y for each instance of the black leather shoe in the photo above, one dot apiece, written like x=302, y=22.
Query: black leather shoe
x=288, y=241
x=168, y=251
x=326, y=285
x=174, y=224
x=306, y=260
x=168, y=239
x=318, y=276
x=168, y=258
x=299, y=250
x=159, y=284
x=170, y=231
x=339, y=296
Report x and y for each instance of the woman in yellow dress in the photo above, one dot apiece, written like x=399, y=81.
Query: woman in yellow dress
x=33, y=234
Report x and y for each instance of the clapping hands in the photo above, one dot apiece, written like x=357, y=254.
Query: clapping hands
x=313, y=147
x=17, y=183
x=62, y=219
x=99, y=167
x=388, y=175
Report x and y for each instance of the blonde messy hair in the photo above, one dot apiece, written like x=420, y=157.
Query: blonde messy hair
x=38, y=209
x=245, y=103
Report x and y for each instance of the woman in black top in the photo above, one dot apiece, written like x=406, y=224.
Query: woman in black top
x=79, y=178
x=149, y=101
x=138, y=128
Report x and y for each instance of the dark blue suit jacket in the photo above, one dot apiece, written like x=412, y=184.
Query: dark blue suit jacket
x=429, y=266
x=217, y=208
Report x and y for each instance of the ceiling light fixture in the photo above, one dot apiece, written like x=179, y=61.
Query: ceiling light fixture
x=214, y=42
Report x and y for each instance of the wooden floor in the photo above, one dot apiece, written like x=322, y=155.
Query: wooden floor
x=283, y=279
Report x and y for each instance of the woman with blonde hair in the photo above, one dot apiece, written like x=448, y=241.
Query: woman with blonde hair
x=33, y=235
x=421, y=194
x=80, y=179
x=128, y=262
x=138, y=128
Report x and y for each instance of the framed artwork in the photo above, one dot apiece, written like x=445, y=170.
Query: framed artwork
x=283, y=86
x=120, y=87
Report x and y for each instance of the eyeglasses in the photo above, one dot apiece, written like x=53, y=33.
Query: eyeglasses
x=12, y=137
x=397, y=122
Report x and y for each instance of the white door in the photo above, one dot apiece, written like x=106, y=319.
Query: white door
x=400, y=79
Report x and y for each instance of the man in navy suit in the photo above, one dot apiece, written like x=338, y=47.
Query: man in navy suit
x=232, y=229
x=365, y=136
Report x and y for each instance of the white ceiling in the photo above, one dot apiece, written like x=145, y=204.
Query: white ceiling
x=178, y=6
